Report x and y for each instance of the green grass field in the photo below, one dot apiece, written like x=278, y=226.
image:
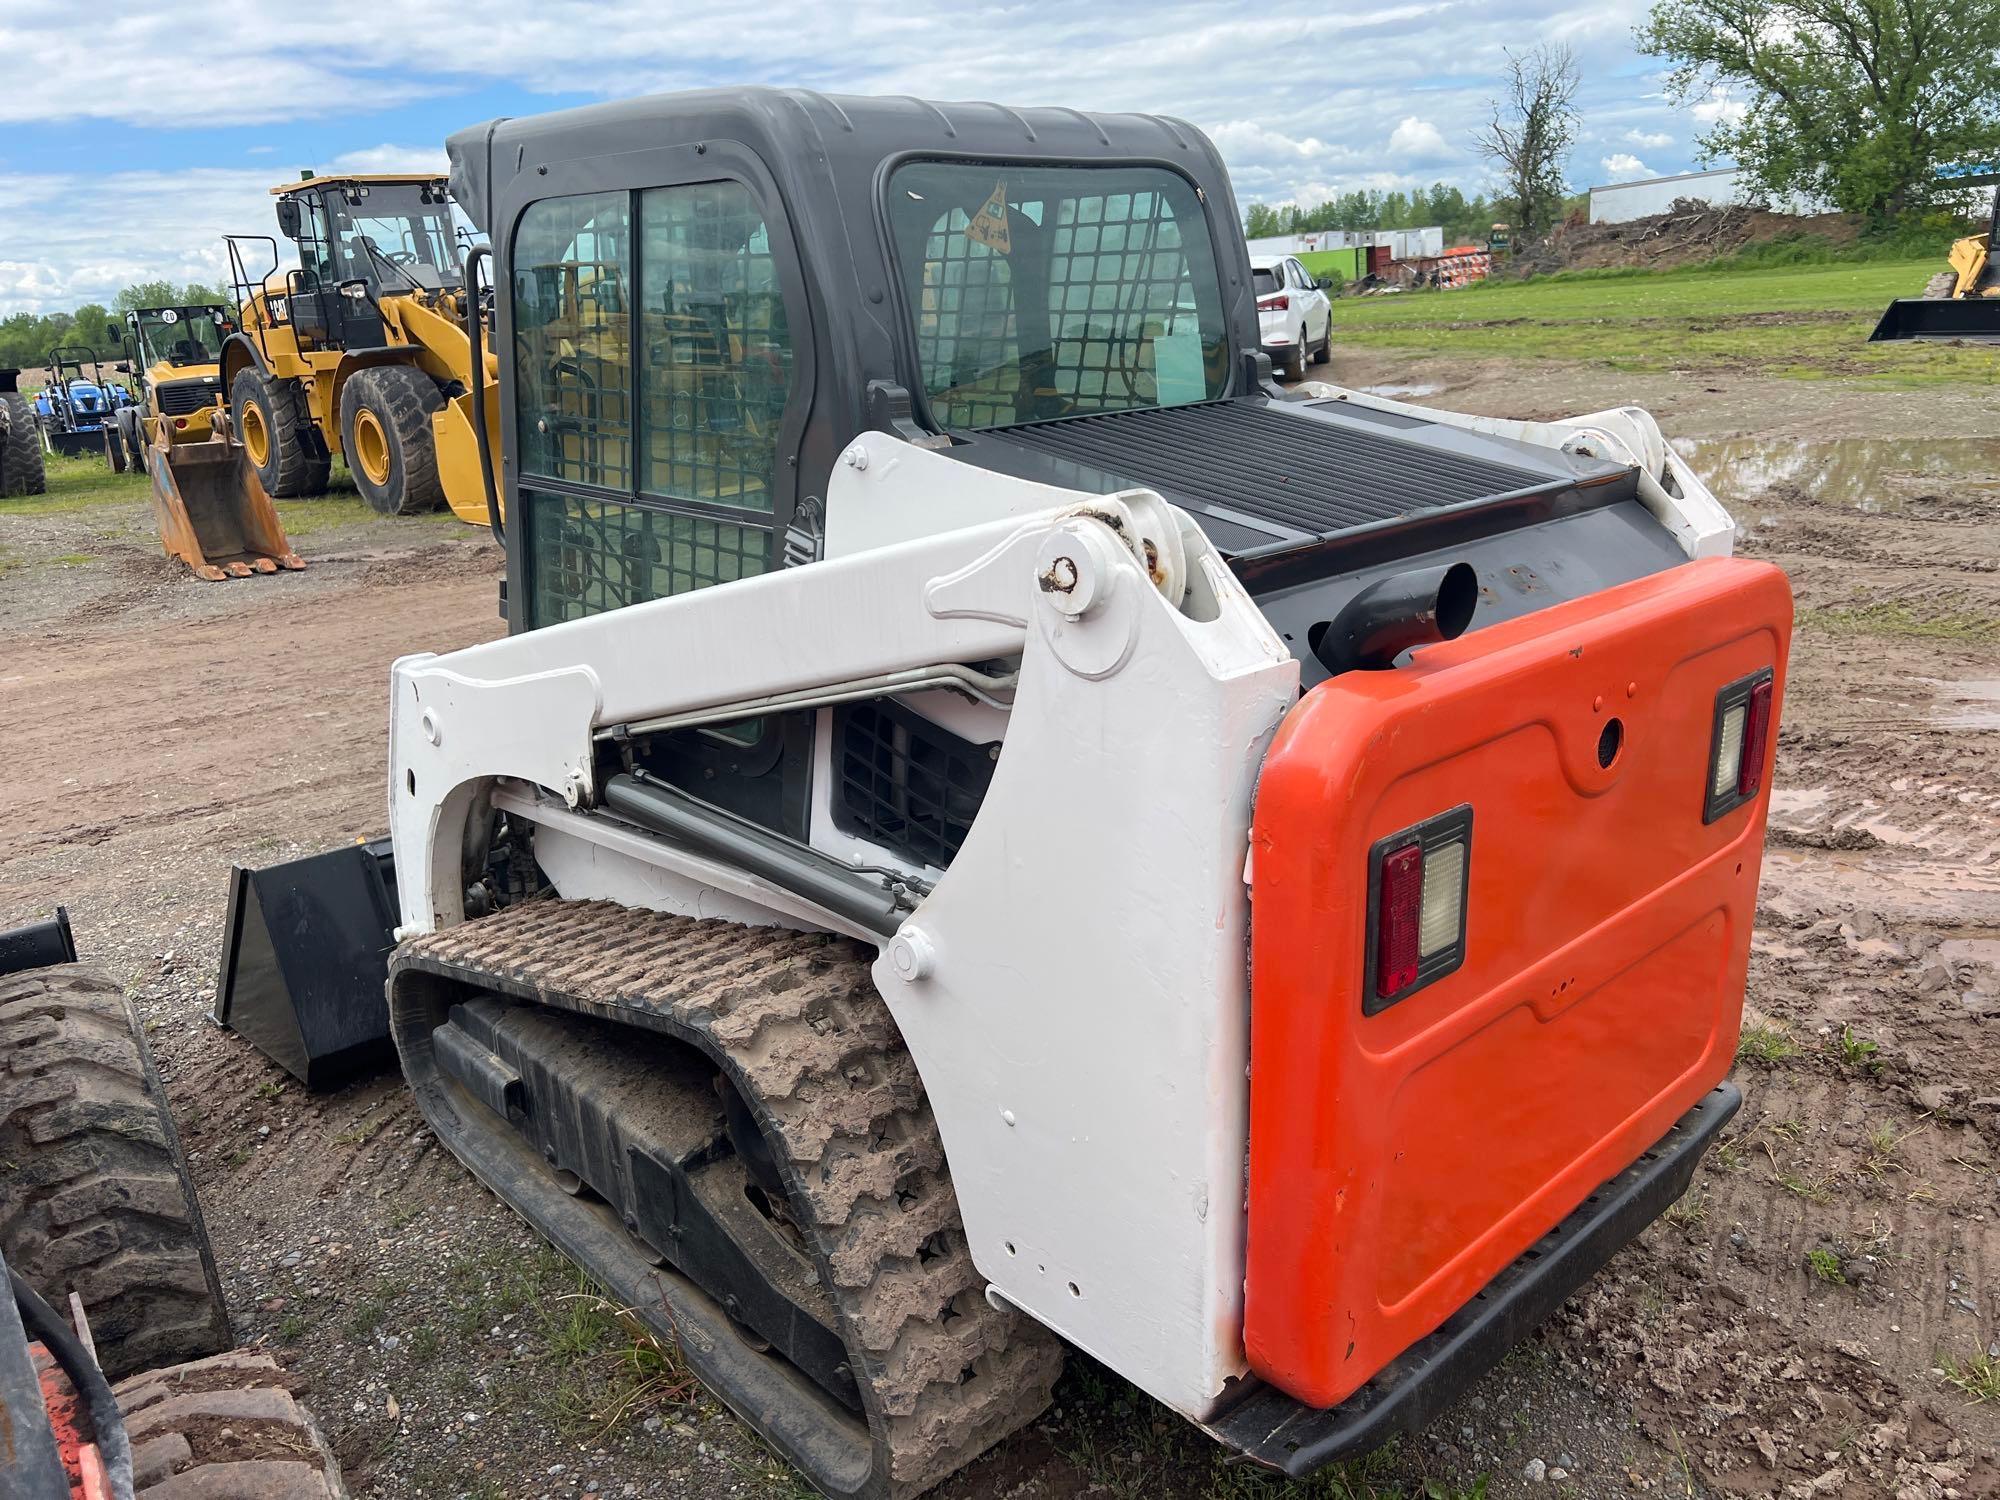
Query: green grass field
x=1806, y=322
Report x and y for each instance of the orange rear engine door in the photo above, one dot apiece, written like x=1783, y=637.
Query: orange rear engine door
x=1563, y=775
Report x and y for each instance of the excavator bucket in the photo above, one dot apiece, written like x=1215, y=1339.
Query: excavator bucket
x=1975, y=320
x=212, y=512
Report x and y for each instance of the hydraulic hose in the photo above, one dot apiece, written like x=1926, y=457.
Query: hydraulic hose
x=107, y=1423
x=473, y=326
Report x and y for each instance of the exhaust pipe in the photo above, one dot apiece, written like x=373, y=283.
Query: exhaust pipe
x=1393, y=614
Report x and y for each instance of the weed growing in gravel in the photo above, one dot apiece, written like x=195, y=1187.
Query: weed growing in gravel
x=1690, y=1211
x=1825, y=1264
x=1855, y=1051
x=270, y=1088
x=1978, y=1377
x=1812, y=1189
x=1764, y=1044
x=291, y=1328
x=372, y=1309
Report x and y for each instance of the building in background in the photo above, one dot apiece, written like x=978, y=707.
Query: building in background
x=1621, y=202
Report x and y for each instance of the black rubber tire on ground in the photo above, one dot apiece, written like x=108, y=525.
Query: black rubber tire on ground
x=23, y=469
x=98, y=1199
x=394, y=404
x=114, y=446
x=1325, y=351
x=292, y=463
x=227, y=1426
x=1295, y=357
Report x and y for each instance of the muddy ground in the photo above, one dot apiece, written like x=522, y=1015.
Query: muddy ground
x=1815, y=1319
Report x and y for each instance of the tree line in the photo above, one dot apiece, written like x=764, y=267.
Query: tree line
x=1463, y=217
x=27, y=338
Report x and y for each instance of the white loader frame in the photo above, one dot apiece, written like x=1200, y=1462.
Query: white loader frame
x=1074, y=988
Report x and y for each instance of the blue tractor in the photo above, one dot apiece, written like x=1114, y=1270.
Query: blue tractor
x=73, y=410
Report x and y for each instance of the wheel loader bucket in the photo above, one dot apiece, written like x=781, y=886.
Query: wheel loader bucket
x=212, y=512
x=1973, y=320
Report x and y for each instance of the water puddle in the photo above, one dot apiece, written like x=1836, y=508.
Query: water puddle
x=1872, y=475
x=1967, y=705
x=1401, y=392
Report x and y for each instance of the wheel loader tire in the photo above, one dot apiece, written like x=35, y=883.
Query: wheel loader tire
x=385, y=431
x=114, y=447
x=97, y=1196
x=271, y=420
x=1941, y=286
x=23, y=469
x=225, y=1427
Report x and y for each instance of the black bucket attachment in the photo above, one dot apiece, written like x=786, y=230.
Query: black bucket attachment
x=38, y=945
x=304, y=960
x=1974, y=320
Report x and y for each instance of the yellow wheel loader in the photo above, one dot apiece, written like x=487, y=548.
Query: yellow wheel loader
x=996, y=827
x=1961, y=303
x=362, y=352
x=174, y=355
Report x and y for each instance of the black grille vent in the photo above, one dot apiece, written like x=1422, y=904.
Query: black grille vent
x=905, y=783
x=182, y=398
x=1311, y=474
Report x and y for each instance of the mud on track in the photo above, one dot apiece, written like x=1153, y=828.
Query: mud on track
x=1787, y=1331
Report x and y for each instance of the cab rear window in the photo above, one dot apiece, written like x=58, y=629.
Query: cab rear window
x=1050, y=291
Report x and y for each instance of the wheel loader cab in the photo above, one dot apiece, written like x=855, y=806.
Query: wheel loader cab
x=360, y=239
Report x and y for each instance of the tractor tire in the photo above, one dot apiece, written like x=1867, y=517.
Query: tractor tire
x=275, y=428
x=385, y=431
x=1941, y=286
x=98, y=1199
x=227, y=1426
x=23, y=469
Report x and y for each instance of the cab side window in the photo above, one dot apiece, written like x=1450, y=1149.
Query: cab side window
x=654, y=366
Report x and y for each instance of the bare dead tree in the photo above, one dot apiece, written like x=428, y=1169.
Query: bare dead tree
x=1531, y=132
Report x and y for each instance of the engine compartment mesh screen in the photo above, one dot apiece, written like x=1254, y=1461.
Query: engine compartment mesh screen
x=906, y=783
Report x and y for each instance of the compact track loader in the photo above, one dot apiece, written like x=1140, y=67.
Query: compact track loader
x=1961, y=303
x=363, y=351
x=1020, y=832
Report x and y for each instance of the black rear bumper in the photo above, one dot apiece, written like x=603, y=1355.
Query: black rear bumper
x=1273, y=1430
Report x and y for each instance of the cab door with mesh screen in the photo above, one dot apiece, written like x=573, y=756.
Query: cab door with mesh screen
x=654, y=375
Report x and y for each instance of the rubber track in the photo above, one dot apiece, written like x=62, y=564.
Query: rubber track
x=403, y=398
x=23, y=470
x=795, y=1019
x=97, y=1198
x=227, y=1428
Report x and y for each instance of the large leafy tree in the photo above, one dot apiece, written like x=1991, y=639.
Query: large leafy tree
x=1855, y=102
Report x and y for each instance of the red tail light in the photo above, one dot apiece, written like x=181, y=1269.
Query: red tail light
x=1397, y=909
x=180, y=423
x=1418, y=882
x=1756, y=735
x=1279, y=303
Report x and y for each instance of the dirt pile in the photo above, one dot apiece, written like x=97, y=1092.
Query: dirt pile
x=1690, y=231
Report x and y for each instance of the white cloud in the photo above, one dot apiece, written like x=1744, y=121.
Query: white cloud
x=390, y=159
x=1305, y=101
x=1418, y=140
x=1625, y=167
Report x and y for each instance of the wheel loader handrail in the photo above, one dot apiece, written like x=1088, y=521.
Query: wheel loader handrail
x=245, y=289
x=474, y=318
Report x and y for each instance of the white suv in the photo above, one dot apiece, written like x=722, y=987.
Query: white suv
x=1294, y=317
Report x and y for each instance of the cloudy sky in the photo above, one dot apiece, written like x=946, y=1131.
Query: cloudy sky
x=128, y=146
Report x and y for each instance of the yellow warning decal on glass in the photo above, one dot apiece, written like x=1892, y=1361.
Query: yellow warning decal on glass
x=989, y=225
